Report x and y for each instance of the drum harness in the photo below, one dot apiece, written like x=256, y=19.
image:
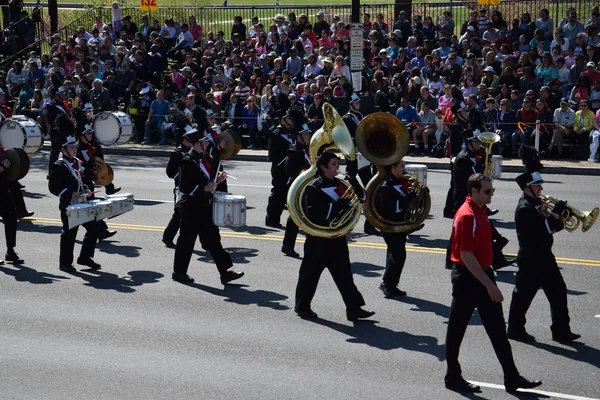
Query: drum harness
x=77, y=175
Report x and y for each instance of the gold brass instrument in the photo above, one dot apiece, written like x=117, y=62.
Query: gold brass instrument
x=332, y=135
x=488, y=139
x=233, y=143
x=105, y=174
x=383, y=139
x=572, y=218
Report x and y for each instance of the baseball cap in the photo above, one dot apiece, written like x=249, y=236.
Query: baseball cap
x=591, y=64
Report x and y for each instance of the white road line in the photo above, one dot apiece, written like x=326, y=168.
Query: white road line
x=155, y=201
x=254, y=186
x=597, y=316
x=259, y=172
x=541, y=392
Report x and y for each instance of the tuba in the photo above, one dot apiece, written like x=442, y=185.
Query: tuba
x=332, y=135
x=383, y=139
x=491, y=169
x=572, y=218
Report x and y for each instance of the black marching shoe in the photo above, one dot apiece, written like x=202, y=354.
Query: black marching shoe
x=67, y=268
x=26, y=214
x=13, y=258
x=371, y=230
x=306, y=314
x=273, y=223
x=522, y=336
x=182, y=278
x=391, y=292
x=502, y=242
x=492, y=212
x=511, y=385
x=113, y=190
x=566, y=338
x=230, y=276
x=169, y=243
x=1, y=262
x=461, y=385
x=106, y=234
x=289, y=252
x=355, y=314
x=88, y=262
x=507, y=262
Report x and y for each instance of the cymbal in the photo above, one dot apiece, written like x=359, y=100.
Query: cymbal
x=24, y=163
x=229, y=150
x=11, y=174
x=105, y=175
x=238, y=141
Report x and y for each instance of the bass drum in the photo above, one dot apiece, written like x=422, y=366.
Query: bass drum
x=112, y=127
x=21, y=132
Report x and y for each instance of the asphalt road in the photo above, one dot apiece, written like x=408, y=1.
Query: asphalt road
x=129, y=332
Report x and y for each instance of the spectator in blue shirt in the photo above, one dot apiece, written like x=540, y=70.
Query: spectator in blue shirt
x=407, y=114
x=34, y=73
x=156, y=117
x=250, y=120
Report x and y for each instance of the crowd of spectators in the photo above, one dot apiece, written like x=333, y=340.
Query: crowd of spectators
x=512, y=77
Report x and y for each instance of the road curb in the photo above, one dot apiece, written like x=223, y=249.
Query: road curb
x=432, y=164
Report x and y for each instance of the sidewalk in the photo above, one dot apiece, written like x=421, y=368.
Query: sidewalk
x=563, y=167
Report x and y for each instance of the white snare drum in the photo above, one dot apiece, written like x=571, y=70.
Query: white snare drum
x=79, y=214
x=104, y=209
x=21, y=132
x=121, y=203
x=496, y=166
x=113, y=127
x=229, y=210
x=418, y=170
x=362, y=161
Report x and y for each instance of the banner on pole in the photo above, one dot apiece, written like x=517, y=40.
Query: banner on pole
x=148, y=5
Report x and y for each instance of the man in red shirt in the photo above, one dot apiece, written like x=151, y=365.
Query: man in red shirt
x=474, y=286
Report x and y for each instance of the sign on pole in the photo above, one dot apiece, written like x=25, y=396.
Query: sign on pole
x=148, y=5
x=356, y=55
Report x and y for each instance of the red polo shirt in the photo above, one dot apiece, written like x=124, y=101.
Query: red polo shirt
x=471, y=231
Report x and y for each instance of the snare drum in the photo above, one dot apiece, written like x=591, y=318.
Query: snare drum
x=21, y=132
x=496, y=166
x=418, y=170
x=229, y=210
x=104, y=209
x=113, y=127
x=79, y=214
x=121, y=203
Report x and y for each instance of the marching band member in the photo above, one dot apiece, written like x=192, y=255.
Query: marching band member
x=66, y=181
x=173, y=173
x=86, y=153
x=58, y=124
x=9, y=216
x=297, y=161
x=537, y=265
x=198, y=180
x=215, y=146
x=474, y=286
x=394, y=198
x=280, y=139
x=324, y=202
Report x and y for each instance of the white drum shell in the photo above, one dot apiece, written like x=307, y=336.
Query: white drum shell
x=229, y=210
x=128, y=196
x=21, y=132
x=496, y=166
x=113, y=127
x=121, y=205
x=418, y=170
x=104, y=209
x=79, y=214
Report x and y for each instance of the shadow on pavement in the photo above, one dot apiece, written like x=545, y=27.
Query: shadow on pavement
x=423, y=241
x=107, y=281
x=147, y=202
x=366, y=269
x=22, y=273
x=576, y=351
x=237, y=293
x=239, y=255
x=498, y=223
x=107, y=246
x=369, y=333
x=29, y=226
x=422, y=305
x=30, y=195
x=257, y=230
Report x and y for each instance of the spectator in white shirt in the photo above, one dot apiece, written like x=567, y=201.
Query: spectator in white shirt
x=426, y=128
x=312, y=67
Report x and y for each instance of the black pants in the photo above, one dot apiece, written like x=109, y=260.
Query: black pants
x=448, y=207
x=171, y=230
x=291, y=233
x=17, y=198
x=278, y=195
x=196, y=222
x=9, y=218
x=395, y=258
x=364, y=173
x=527, y=283
x=333, y=254
x=467, y=294
x=67, y=240
x=56, y=145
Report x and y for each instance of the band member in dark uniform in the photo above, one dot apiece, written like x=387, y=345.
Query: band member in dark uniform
x=537, y=265
x=86, y=153
x=214, y=149
x=474, y=286
x=323, y=202
x=394, y=201
x=459, y=129
x=8, y=214
x=173, y=173
x=66, y=180
x=58, y=123
x=197, y=182
x=19, y=202
x=352, y=118
x=280, y=138
x=297, y=161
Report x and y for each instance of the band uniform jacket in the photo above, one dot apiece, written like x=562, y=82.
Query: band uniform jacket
x=297, y=161
x=195, y=172
x=279, y=143
x=465, y=165
x=63, y=183
x=86, y=153
x=322, y=199
x=175, y=161
x=394, y=198
x=215, y=154
x=534, y=231
x=352, y=119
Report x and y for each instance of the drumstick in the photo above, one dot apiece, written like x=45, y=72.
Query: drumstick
x=232, y=177
x=91, y=193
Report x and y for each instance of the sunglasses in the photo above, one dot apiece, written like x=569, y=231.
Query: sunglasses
x=489, y=191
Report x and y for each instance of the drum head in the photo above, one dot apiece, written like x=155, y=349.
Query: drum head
x=106, y=128
x=11, y=174
x=11, y=135
x=24, y=163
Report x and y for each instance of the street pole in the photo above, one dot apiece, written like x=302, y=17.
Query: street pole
x=53, y=12
x=356, y=47
x=404, y=5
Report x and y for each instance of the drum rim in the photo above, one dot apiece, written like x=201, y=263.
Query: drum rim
x=112, y=113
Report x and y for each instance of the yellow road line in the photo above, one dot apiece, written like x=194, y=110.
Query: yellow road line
x=268, y=237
